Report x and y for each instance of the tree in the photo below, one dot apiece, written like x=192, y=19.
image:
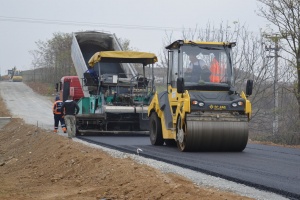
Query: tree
x=125, y=44
x=52, y=58
x=285, y=16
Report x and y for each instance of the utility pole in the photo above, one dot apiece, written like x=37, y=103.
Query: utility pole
x=275, y=38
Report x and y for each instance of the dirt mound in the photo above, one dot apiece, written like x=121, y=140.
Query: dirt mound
x=35, y=164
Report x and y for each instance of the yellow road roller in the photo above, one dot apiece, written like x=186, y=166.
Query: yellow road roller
x=200, y=110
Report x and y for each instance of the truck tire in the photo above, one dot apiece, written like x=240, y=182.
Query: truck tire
x=155, y=130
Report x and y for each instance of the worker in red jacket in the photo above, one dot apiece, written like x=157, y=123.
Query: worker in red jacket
x=58, y=115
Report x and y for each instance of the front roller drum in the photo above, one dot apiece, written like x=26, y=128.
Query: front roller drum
x=212, y=135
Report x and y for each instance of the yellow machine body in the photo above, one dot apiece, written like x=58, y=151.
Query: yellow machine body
x=200, y=115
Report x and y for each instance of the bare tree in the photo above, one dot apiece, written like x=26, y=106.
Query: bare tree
x=52, y=59
x=125, y=44
x=285, y=16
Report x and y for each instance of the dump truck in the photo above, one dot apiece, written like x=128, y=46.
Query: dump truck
x=200, y=109
x=116, y=101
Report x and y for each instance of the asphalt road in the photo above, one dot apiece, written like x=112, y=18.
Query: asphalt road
x=271, y=168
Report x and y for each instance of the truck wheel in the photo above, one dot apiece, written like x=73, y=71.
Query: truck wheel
x=180, y=135
x=155, y=130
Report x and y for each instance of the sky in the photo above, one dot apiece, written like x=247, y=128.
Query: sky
x=144, y=22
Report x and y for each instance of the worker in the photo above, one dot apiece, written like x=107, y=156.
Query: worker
x=215, y=69
x=93, y=73
x=58, y=115
x=70, y=109
x=198, y=69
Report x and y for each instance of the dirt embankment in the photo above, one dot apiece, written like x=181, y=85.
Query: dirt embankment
x=35, y=164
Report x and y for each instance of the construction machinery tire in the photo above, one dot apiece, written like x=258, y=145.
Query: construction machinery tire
x=211, y=135
x=155, y=130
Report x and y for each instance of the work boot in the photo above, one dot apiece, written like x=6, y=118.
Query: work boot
x=64, y=129
x=55, y=131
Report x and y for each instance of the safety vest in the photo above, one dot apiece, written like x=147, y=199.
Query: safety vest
x=215, y=71
x=57, y=107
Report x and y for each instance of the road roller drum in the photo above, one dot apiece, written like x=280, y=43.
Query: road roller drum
x=214, y=135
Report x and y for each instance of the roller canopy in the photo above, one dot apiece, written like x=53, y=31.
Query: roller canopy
x=123, y=57
x=178, y=43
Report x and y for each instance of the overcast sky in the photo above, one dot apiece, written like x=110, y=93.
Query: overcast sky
x=143, y=22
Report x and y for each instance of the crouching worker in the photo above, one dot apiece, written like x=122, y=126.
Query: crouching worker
x=58, y=115
x=70, y=109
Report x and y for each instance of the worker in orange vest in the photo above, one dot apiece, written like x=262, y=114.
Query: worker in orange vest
x=215, y=71
x=58, y=115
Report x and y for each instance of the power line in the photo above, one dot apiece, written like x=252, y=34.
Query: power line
x=61, y=22
x=93, y=24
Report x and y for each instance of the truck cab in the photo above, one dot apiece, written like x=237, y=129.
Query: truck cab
x=69, y=86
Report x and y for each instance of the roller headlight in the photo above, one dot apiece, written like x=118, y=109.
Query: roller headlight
x=201, y=104
x=236, y=104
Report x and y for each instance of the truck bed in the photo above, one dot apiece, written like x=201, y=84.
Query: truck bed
x=86, y=44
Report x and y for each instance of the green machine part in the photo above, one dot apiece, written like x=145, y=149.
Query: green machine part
x=87, y=105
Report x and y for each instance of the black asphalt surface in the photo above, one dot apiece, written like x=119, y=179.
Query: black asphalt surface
x=270, y=168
